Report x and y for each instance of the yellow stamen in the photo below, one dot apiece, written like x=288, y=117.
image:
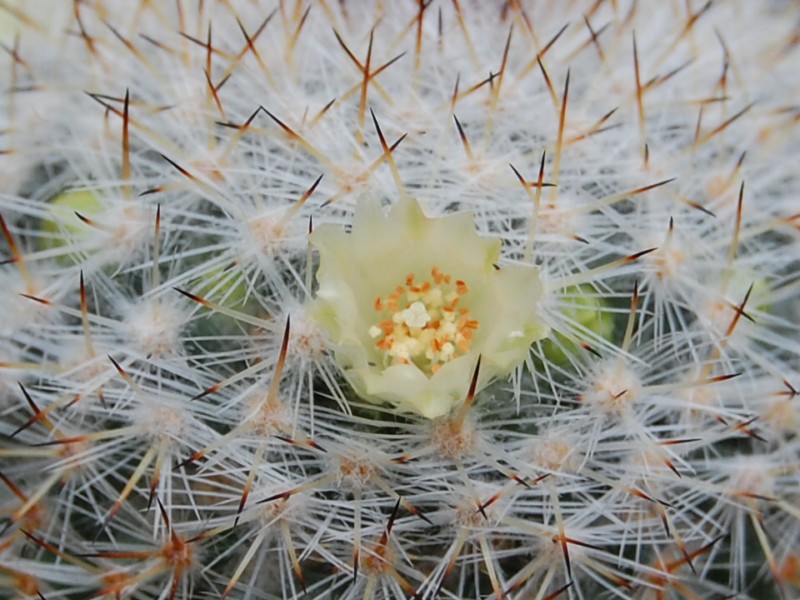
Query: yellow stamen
x=423, y=323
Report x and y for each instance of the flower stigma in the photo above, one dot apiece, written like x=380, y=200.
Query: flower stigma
x=423, y=323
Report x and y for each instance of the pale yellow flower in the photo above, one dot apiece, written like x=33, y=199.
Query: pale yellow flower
x=410, y=302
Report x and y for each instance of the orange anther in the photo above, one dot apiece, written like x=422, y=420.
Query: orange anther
x=434, y=335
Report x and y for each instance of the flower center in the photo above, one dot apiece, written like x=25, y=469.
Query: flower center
x=423, y=323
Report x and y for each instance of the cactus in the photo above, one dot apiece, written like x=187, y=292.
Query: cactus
x=445, y=299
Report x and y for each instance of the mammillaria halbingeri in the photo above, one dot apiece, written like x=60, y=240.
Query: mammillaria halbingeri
x=445, y=299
